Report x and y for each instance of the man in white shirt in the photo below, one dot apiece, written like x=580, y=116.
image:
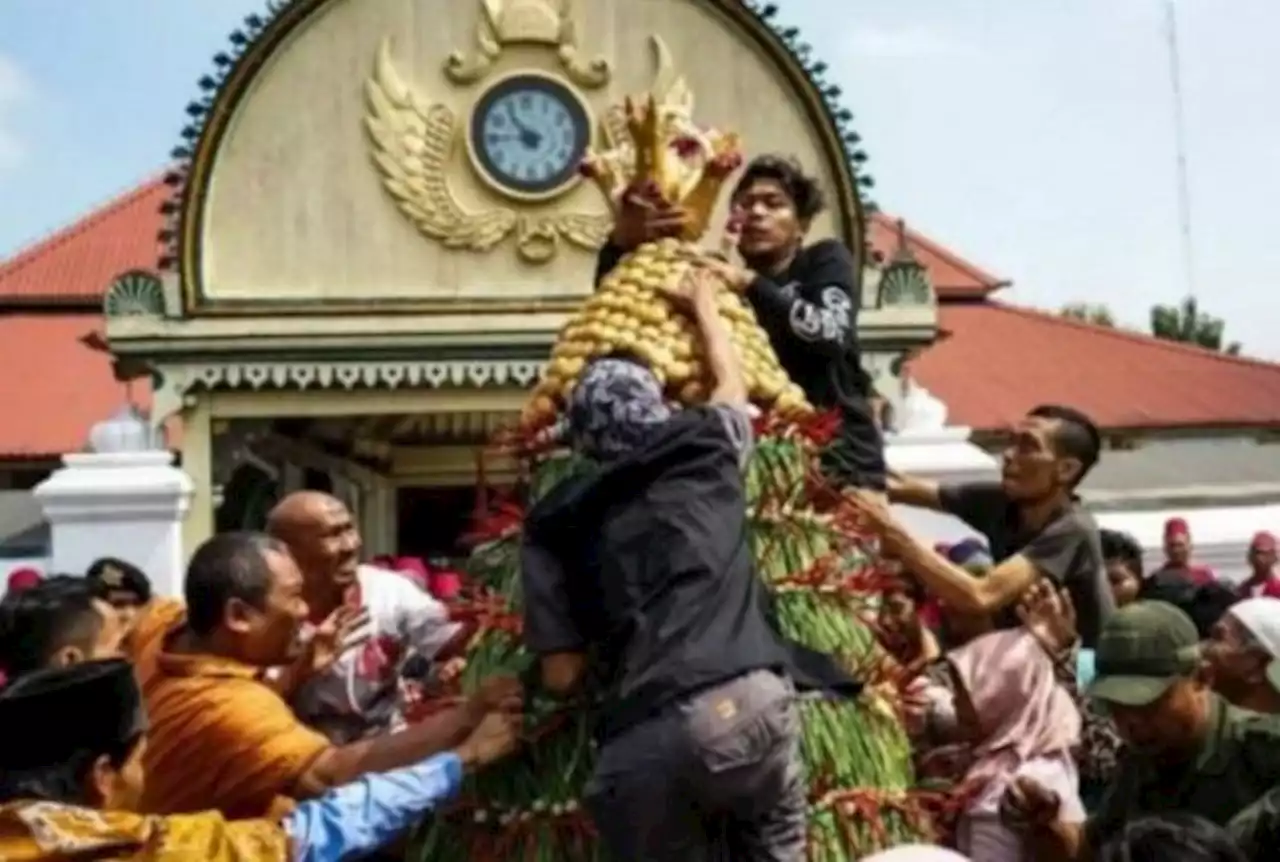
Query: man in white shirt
x=359, y=695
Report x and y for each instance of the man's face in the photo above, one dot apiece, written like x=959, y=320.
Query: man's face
x=271, y=633
x=1030, y=466
x=1124, y=581
x=1262, y=560
x=1236, y=665
x=1170, y=725
x=1177, y=549
x=770, y=227
x=127, y=604
x=329, y=550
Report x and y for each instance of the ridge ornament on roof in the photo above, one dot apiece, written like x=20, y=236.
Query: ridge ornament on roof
x=238, y=62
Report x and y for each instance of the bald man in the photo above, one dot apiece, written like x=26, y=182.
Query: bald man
x=359, y=694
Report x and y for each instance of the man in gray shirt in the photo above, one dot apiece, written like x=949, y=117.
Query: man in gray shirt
x=1035, y=525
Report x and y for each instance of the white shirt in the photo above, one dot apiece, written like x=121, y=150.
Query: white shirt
x=359, y=695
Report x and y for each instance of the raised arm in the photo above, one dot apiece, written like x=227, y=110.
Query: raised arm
x=822, y=313
x=356, y=819
x=722, y=357
x=912, y=491
x=437, y=733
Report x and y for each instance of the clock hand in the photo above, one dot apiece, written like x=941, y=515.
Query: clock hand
x=528, y=137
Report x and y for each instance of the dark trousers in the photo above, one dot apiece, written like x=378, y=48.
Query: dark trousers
x=717, y=776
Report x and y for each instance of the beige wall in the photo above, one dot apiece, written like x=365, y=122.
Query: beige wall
x=295, y=209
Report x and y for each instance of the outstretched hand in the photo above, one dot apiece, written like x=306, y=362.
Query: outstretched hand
x=1048, y=613
x=643, y=216
x=343, y=630
x=1027, y=804
x=734, y=277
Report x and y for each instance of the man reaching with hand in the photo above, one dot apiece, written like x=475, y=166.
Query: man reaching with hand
x=1187, y=749
x=640, y=574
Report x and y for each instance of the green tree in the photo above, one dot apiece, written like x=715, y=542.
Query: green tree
x=1187, y=323
x=1088, y=312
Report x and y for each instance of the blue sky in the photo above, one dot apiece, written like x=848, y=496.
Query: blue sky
x=1034, y=137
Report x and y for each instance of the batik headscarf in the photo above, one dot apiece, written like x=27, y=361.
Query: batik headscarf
x=614, y=406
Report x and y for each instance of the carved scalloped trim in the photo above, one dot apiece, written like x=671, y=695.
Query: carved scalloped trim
x=177, y=382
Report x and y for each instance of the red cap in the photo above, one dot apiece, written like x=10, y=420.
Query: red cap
x=23, y=579
x=1263, y=541
x=1176, y=528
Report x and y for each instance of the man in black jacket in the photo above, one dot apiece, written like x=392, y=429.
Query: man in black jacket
x=645, y=566
x=804, y=296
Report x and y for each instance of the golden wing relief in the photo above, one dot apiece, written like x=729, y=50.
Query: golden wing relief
x=412, y=143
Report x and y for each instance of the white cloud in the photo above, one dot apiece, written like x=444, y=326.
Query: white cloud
x=906, y=43
x=15, y=89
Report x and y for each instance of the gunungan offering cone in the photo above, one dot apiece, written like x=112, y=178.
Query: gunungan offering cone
x=631, y=312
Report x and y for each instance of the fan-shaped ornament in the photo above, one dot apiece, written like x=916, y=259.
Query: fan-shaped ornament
x=135, y=294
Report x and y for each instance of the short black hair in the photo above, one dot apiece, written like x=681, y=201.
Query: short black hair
x=228, y=566
x=36, y=622
x=1076, y=435
x=65, y=781
x=130, y=578
x=1123, y=548
x=1172, y=838
x=804, y=191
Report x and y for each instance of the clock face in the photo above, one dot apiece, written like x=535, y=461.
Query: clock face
x=529, y=133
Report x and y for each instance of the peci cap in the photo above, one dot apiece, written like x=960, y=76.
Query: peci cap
x=58, y=713
x=110, y=575
x=1143, y=649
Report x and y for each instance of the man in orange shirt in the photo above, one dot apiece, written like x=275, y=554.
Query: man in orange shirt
x=221, y=735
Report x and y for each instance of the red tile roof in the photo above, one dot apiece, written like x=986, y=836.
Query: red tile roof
x=76, y=264
x=997, y=361
x=55, y=388
x=953, y=277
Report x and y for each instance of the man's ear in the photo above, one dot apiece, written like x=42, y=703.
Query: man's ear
x=1069, y=470
x=99, y=781
x=238, y=616
x=67, y=656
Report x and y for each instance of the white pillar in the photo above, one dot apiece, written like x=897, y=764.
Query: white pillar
x=926, y=447
x=125, y=499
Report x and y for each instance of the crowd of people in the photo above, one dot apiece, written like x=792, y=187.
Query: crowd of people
x=1076, y=707
x=1067, y=693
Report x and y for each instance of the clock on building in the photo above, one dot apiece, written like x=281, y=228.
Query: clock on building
x=528, y=134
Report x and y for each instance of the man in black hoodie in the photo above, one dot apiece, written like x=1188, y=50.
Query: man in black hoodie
x=804, y=296
x=642, y=574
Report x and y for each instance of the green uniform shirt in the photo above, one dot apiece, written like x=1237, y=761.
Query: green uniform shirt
x=1227, y=783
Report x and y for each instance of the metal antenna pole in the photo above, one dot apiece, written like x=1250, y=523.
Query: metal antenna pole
x=1180, y=139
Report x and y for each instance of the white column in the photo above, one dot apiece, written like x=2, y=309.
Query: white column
x=924, y=445
x=125, y=499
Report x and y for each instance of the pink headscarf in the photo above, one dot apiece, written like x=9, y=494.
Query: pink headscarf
x=1023, y=710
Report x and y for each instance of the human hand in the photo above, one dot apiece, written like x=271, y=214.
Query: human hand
x=452, y=669
x=1027, y=804
x=343, y=630
x=1050, y=616
x=695, y=289
x=734, y=277
x=496, y=694
x=496, y=736
x=643, y=216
